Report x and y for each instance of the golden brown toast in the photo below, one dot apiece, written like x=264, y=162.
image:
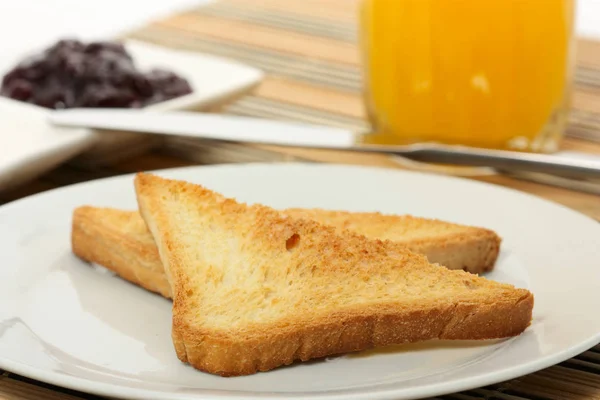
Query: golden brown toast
x=454, y=246
x=254, y=290
x=120, y=241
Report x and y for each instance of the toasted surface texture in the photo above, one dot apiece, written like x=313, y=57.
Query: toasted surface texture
x=120, y=241
x=454, y=246
x=254, y=290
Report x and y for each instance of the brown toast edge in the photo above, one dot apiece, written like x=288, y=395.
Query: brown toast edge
x=130, y=259
x=349, y=333
x=475, y=252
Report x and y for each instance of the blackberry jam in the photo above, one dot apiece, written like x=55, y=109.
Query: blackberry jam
x=73, y=74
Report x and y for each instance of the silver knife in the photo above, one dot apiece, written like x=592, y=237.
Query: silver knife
x=258, y=130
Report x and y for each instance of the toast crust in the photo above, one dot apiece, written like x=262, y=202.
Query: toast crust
x=123, y=246
x=323, y=322
x=228, y=356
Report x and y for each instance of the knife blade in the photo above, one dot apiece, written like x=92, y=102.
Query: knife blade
x=258, y=130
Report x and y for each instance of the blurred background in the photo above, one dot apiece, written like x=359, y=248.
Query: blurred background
x=508, y=75
x=30, y=23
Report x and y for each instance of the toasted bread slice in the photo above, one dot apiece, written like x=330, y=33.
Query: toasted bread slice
x=254, y=290
x=120, y=241
x=454, y=246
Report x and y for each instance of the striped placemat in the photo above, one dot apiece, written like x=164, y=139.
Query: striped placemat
x=309, y=52
x=311, y=55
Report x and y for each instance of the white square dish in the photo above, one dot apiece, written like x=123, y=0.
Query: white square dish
x=30, y=147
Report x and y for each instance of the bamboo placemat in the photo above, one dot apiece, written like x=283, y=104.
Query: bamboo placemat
x=308, y=50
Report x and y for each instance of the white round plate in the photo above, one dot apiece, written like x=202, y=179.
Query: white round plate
x=65, y=322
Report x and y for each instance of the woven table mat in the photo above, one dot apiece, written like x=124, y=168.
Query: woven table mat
x=308, y=50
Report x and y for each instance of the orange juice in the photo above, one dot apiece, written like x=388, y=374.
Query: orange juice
x=486, y=73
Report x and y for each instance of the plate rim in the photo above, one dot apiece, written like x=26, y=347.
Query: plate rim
x=456, y=385
x=319, y=164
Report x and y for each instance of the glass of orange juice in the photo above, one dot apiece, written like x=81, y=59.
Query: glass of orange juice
x=483, y=73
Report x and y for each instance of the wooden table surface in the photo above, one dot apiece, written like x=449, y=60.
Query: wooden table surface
x=308, y=50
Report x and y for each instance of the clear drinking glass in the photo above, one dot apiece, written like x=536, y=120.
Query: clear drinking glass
x=485, y=73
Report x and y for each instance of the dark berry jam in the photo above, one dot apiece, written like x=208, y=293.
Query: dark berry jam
x=73, y=74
